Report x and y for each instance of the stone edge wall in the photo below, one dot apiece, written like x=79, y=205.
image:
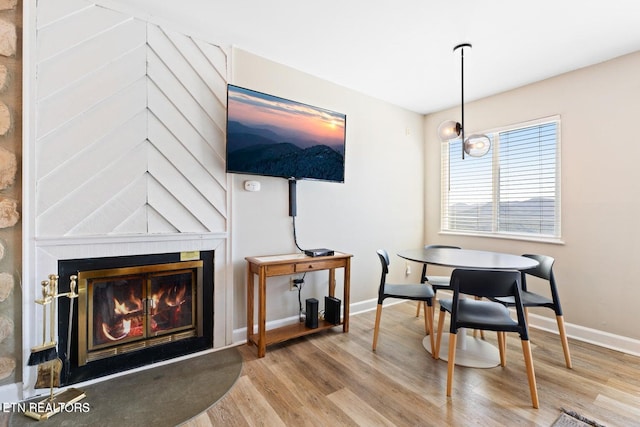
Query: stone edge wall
x=10, y=190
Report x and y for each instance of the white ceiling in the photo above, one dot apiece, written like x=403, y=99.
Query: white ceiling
x=401, y=51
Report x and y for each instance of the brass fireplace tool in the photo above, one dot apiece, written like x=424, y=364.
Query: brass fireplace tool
x=46, y=355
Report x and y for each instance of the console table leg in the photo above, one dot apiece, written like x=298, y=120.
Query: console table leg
x=332, y=282
x=347, y=294
x=262, y=313
x=249, y=304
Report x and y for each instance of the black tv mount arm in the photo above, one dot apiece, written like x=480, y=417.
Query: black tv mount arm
x=292, y=197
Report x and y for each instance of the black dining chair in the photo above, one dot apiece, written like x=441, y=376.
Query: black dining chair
x=486, y=315
x=436, y=282
x=544, y=270
x=418, y=292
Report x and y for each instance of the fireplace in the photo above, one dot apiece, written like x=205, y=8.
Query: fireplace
x=126, y=309
x=132, y=311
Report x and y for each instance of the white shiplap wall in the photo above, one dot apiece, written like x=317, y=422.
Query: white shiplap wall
x=130, y=123
x=125, y=153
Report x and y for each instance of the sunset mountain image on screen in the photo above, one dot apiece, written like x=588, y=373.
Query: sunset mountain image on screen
x=273, y=136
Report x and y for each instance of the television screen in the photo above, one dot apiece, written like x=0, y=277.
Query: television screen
x=268, y=135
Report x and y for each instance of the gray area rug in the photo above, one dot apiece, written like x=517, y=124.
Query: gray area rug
x=163, y=396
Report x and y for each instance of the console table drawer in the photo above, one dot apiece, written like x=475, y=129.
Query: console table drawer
x=318, y=265
x=279, y=270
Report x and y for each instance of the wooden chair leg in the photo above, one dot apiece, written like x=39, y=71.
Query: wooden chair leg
x=528, y=360
x=451, y=362
x=501, y=348
x=428, y=314
x=504, y=346
x=376, y=327
x=433, y=308
x=436, y=352
x=426, y=320
x=418, y=308
x=565, y=342
x=475, y=334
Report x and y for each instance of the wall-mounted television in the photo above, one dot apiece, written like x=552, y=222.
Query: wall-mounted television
x=272, y=136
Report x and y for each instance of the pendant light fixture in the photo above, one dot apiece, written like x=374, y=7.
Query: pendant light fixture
x=475, y=145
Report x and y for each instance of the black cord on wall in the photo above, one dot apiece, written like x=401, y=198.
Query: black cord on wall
x=295, y=238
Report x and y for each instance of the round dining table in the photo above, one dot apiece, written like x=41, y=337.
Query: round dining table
x=471, y=351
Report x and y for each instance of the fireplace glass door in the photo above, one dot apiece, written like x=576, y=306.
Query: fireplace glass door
x=126, y=309
x=116, y=311
x=170, y=304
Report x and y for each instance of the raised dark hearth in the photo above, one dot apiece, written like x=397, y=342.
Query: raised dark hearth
x=77, y=369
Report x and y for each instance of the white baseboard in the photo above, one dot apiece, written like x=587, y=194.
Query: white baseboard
x=593, y=336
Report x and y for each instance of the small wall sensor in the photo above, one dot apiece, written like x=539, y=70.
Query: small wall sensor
x=252, y=185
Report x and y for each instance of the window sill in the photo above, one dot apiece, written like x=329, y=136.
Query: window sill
x=522, y=237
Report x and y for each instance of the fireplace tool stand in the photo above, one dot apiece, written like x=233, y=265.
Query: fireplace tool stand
x=46, y=355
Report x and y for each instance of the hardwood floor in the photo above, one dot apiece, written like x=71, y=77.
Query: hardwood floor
x=336, y=379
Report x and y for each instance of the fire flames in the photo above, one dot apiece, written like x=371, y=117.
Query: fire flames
x=129, y=316
x=128, y=306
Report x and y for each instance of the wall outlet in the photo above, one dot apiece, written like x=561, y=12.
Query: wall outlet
x=295, y=283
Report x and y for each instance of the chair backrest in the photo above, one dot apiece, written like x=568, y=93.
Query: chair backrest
x=384, y=261
x=486, y=283
x=544, y=270
x=489, y=284
x=424, y=266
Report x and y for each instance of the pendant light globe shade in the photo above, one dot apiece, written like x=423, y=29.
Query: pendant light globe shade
x=477, y=145
x=449, y=129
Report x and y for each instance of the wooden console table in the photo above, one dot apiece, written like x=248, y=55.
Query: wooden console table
x=282, y=265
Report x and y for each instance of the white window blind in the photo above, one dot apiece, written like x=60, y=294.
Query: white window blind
x=513, y=190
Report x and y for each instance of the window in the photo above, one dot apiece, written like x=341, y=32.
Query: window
x=511, y=191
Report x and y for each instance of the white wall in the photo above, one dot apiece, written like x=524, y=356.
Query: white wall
x=597, y=267
x=379, y=205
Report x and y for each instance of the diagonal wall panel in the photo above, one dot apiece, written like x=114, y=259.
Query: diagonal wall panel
x=62, y=145
x=185, y=162
x=74, y=28
x=123, y=211
x=55, y=73
x=137, y=222
x=198, y=89
x=90, y=91
x=163, y=202
x=84, y=199
x=129, y=126
x=84, y=166
x=52, y=11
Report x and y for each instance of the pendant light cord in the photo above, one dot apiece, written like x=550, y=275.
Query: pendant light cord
x=462, y=97
x=461, y=47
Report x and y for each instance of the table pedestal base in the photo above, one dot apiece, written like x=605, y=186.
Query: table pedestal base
x=475, y=353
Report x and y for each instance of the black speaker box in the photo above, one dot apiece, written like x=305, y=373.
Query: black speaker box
x=332, y=310
x=312, y=313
